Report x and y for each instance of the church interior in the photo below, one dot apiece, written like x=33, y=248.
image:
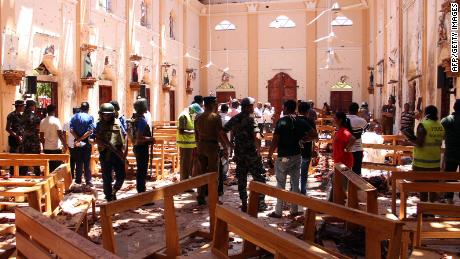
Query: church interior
x=158, y=66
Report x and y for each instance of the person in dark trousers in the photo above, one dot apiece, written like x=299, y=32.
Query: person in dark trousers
x=15, y=129
x=31, y=141
x=247, y=156
x=52, y=136
x=306, y=148
x=81, y=127
x=451, y=126
x=142, y=139
x=358, y=125
x=208, y=135
x=427, y=150
x=289, y=131
x=110, y=142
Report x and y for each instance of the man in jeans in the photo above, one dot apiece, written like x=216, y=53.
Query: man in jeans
x=306, y=146
x=288, y=132
x=81, y=127
x=451, y=126
x=51, y=135
x=358, y=125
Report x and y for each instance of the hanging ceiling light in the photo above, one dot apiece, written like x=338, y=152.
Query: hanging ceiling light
x=341, y=20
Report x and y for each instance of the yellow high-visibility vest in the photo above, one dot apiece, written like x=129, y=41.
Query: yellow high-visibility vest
x=429, y=156
x=186, y=140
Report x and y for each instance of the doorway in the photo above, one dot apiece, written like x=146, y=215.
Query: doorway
x=47, y=93
x=105, y=94
x=341, y=100
x=446, y=84
x=281, y=88
x=172, y=105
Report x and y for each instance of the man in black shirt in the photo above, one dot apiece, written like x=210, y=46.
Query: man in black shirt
x=306, y=146
x=288, y=133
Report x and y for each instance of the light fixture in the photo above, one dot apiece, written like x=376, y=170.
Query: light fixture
x=341, y=20
x=210, y=64
x=226, y=69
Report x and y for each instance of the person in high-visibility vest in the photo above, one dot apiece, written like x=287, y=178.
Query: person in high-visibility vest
x=427, y=150
x=186, y=139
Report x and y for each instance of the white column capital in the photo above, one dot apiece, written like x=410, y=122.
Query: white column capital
x=252, y=7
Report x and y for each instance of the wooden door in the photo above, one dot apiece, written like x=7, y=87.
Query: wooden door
x=47, y=93
x=281, y=88
x=446, y=84
x=341, y=100
x=224, y=97
x=172, y=106
x=105, y=94
x=147, y=96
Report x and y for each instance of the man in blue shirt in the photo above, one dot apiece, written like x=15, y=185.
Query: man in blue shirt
x=121, y=118
x=81, y=127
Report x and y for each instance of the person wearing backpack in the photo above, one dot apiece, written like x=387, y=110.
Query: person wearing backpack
x=141, y=137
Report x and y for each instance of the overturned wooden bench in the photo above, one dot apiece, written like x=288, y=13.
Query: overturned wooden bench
x=166, y=193
x=355, y=183
x=377, y=228
x=40, y=237
x=280, y=244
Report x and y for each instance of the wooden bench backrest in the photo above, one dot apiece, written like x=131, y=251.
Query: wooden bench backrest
x=355, y=183
x=107, y=210
x=281, y=244
x=448, y=210
x=65, y=158
x=16, y=163
x=377, y=227
x=40, y=237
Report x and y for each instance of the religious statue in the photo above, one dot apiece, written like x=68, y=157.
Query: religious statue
x=135, y=75
x=173, y=77
x=49, y=50
x=107, y=73
x=371, y=79
x=143, y=13
x=442, y=32
x=225, y=82
x=87, y=66
x=171, y=26
x=146, y=77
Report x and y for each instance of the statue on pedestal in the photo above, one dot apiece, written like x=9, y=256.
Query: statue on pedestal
x=171, y=26
x=135, y=75
x=87, y=66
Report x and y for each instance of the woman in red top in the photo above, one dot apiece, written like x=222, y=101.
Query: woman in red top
x=343, y=140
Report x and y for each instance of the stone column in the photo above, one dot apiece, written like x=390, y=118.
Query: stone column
x=253, y=51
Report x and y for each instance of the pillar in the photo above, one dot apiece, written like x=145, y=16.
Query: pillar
x=129, y=9
x=365, y=56
x=204, y=48
x=311, y=51
x=253, y=51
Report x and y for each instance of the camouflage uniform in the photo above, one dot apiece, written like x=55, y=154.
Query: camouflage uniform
x=246, y=157
x=14, y=122
x=31, y=141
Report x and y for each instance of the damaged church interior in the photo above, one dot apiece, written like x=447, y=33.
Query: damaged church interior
x=229, y=129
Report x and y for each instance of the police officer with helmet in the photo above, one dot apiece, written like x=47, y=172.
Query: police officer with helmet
x=141, y=136
x=110, y=142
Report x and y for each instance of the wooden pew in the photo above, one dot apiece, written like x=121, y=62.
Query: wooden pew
x=398, y=176
x=355, y=183
x=436, y=209
x=40, y=237
x=65, y=158
x=16, y=163
x=405, y=187
x=51, y=188
x=280, y=244
x=377, y=228
x=107, y=210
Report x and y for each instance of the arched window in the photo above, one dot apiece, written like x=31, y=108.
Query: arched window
x=225, y=26
x=282, y=21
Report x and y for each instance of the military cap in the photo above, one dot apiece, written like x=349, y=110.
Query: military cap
x=18, y=103
x=209, y=100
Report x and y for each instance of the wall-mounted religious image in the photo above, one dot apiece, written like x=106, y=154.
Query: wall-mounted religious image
x=166, y=79
x=134, y=72
x=146, y=76
x=225, y=82
x=87, y=66
x=107, y=73
x=144, y=21
x=173, y=81
x=172, y=18
x=47, y=66
x=190, y=76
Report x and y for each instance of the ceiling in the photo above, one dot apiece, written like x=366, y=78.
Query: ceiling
x=321, y=3
x=233, y=1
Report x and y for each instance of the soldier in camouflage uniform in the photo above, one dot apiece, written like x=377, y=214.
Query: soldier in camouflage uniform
x=110, y=142
x=247, y=157
x=15, y=129
x=31, y=124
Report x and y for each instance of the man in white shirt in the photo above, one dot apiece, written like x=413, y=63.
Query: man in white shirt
x=235, y=108
x=267, y=115
x=358, y=126
x=70, y=140
x=259, y=117
x=51, y=135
